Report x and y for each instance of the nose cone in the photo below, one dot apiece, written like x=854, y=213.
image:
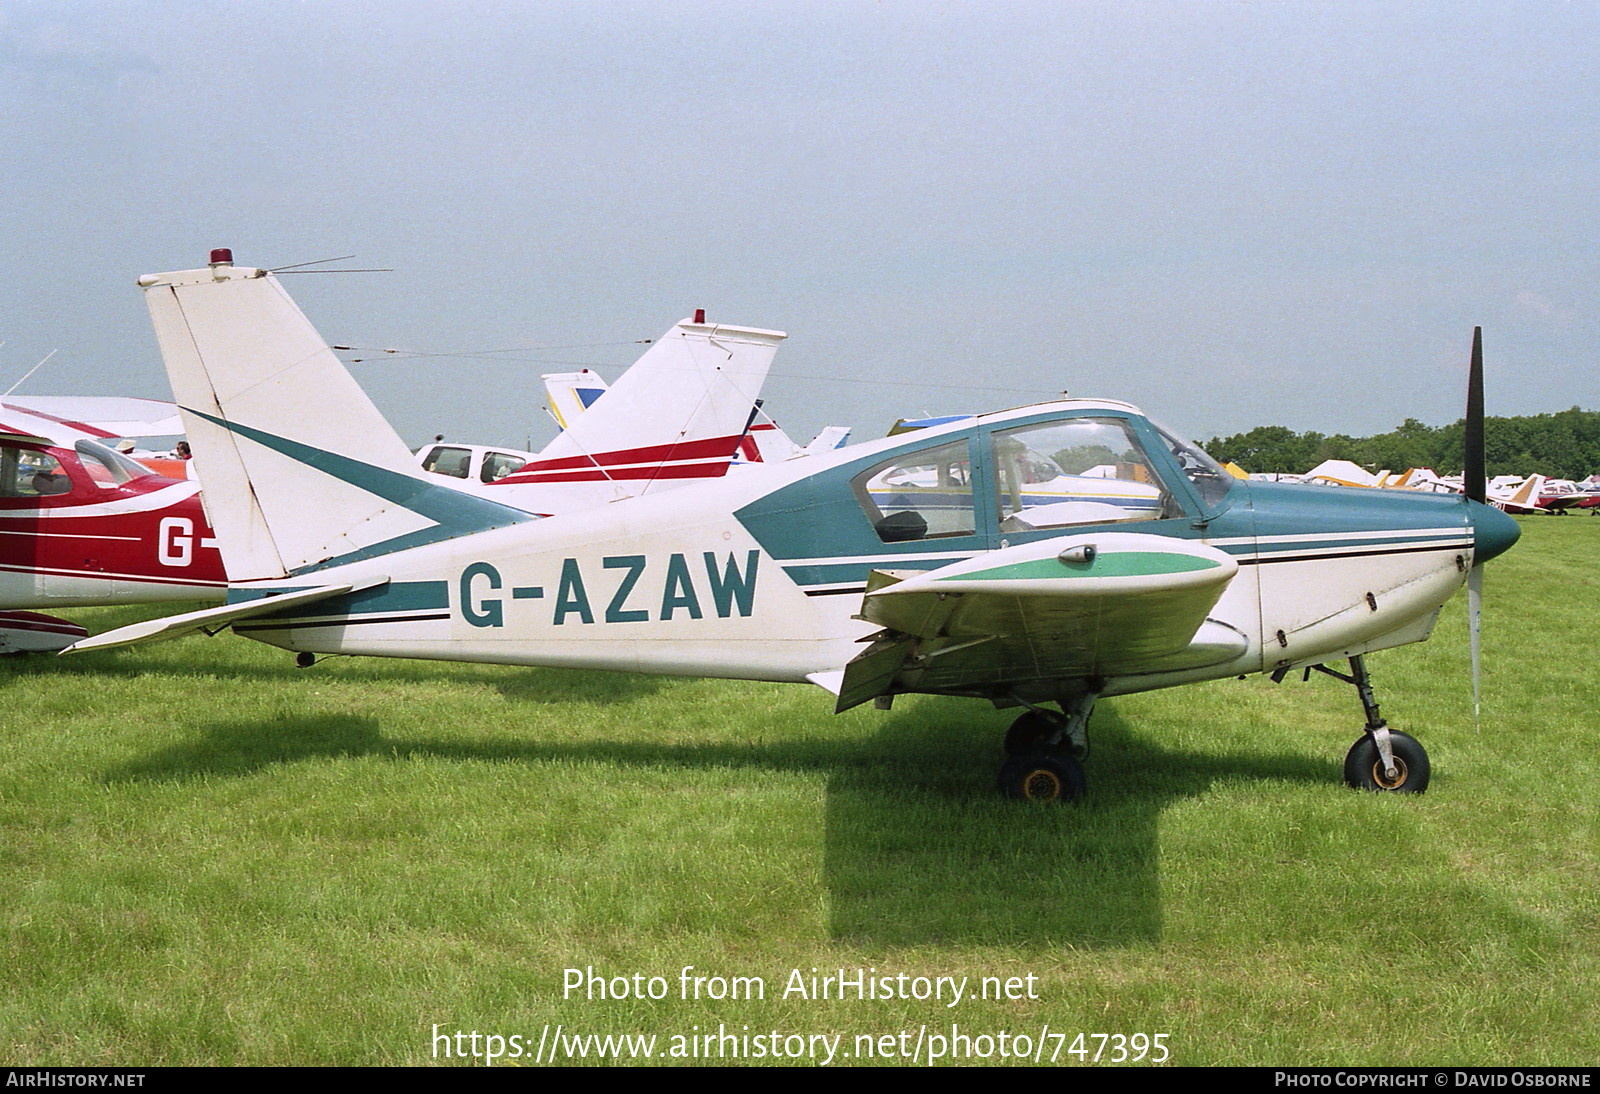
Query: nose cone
x=1493, y=532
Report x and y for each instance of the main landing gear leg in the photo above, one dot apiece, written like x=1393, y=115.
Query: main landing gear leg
x=1382, y=759
x=1044, y=750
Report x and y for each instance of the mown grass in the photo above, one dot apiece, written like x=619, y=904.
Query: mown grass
x=212, y=857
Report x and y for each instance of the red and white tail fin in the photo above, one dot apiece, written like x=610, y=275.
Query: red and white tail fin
x=676, y=416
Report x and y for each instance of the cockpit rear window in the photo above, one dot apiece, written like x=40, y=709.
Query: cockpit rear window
x=444, y=460
x=108, y=467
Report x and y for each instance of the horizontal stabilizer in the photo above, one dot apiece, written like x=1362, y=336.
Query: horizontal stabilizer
x=213, y=619
x=31, y=632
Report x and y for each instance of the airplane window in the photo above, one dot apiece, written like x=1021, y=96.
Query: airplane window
x=107, y=467
x=27, y=473
x=921, y=495
x=1075, y=471
x=497, y=465
x=444, y=460
x=1208, y=477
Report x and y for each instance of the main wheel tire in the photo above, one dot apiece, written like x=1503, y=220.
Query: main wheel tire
x=1363, y=766
x=1030, y=731
x=1042, y=777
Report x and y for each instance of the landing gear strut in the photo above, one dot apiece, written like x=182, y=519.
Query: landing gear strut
x=1043, y=752
x=1382, y=759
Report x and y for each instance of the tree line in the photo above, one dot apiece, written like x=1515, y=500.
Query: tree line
x=1564, y=445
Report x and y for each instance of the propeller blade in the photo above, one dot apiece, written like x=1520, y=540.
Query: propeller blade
x=1474, y=480
x=1474, y=626
x=1474, y=483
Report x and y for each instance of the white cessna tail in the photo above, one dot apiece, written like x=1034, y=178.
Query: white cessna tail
x=571, y=394
x=676, y=416
x=301, y=468
x=679, y=414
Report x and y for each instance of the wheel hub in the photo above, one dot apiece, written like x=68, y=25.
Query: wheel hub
x=1381, y=777
x=1041, y=785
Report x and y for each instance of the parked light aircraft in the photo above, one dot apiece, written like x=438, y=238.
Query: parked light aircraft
x=1508, y=494
x=1522, y=498
x=953, y=582
x=676, y=416
x=570, y=394
x=685, y=412
x=81, y=524
x=1561, y=495
x=473, y=466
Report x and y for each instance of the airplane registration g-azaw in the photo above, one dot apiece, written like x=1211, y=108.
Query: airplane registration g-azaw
x=1050, y=554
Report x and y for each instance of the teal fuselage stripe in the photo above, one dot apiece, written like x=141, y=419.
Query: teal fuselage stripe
x=454, y=513
x=398, y=596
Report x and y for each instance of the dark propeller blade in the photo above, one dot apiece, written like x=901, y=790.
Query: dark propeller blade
x=1474, y=483
x=1473, y=478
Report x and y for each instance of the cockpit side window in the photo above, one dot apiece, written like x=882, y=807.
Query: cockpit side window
x=497, y=465
x=1075, y=471
x=444, y=460
x=919, y=495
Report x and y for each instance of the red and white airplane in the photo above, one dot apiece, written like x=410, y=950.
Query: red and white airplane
x=677, y=416
x=687, y=411
x=82, y=524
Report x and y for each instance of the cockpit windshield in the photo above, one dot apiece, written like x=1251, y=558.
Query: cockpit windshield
x=1209, y=479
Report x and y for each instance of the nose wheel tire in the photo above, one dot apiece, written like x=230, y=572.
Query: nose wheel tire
x=1364, y=768
x=1042, y=777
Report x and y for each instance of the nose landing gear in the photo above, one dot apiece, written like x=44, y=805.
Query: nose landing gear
x=1383, y=759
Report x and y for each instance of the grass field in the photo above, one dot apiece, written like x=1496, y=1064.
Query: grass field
x=212, y=857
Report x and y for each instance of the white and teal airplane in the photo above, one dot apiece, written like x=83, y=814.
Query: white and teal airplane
x=951, y=560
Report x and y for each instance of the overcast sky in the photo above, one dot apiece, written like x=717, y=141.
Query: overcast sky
x=1232, y=214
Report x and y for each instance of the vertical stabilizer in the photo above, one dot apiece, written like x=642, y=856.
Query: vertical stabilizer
x=569, y=394
x=1526, y=496
x=301, y=470
x=696, y=385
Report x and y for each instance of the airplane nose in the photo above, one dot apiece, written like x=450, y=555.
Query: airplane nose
x=1493, y=532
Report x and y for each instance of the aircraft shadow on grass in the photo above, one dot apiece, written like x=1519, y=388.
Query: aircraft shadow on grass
x=917, y=849
x=545, y=687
